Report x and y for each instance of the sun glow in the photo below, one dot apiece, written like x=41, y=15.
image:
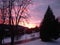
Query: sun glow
x=30, y=25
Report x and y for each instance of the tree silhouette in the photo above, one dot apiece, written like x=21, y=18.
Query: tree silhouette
x=47, y=28
x=7, y=8
x=58, y=26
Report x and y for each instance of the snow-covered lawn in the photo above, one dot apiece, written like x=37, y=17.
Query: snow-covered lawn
x=39, y=42
x=32, y=42
x=24, y=37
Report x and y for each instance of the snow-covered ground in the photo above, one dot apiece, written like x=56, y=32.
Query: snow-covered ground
x=33, y=42
x=39, y=42
x=24, y=37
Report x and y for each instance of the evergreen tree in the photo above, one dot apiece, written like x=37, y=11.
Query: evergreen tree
x=58, y=26
x=47, y=28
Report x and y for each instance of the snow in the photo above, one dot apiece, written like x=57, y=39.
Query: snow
x=6, y=40
x=24, y=37
x=39, y=42
x=33, y=42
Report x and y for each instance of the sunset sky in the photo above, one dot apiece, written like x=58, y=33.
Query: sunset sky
x=39, y=7
x=37, y=10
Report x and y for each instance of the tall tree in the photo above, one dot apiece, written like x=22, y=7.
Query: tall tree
x=47, y=28
x=3, y=17
x=58, y=26
x=8, y=7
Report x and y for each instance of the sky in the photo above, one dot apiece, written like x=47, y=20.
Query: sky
x=39, y=7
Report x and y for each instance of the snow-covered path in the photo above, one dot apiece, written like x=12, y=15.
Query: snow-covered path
x=39, y=42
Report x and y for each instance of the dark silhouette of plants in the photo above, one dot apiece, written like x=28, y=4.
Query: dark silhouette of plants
x=7, y=8
x=48, y=26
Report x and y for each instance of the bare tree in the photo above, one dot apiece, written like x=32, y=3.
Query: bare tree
x=3, y=17
x=19, y=8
